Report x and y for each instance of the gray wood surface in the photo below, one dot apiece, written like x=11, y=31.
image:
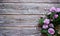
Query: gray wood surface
x=25, y=8
x=29, y=0
x=20, y=17
x=19, y=20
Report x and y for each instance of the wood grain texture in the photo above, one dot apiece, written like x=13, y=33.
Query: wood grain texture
x=29, y=0
x=25, y=8
x=13, y=25
x=20, y=17
x=19, y=32
x=19, y=20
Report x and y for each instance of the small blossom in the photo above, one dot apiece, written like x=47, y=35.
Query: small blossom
x=51, y=25
x=52, y=9
x=51, y=31
x=45, y=26
x=49, y=13
x=46, y=21
x=56, y=16
x=58, y=10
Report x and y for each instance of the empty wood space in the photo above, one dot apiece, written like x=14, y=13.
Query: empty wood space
x=30, y=0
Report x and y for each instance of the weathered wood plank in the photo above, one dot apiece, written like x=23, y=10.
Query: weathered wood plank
x=12, y=25
x=30, y=11
x=57, y=5
x=24, y=8
x=19, y=32
x=19, y=20
x=29, y=0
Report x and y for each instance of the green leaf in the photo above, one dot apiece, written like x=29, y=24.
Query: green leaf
x=52, y=14
x=58, y=35
x=41, y=21
x=56, y=22
x=44, y=31
x=49, y=34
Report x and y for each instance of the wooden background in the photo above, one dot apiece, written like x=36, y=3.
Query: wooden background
x=20, y=17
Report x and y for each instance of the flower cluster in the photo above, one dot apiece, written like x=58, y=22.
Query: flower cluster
x=51, y=21
x=53, y=9
x=49, y=26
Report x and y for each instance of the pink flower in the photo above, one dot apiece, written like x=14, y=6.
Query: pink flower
x=45, y=26
x=51, y=31
x=56, y=16
x=58, y=10
x=46, y=21
x=52, y=9
x=51, y=25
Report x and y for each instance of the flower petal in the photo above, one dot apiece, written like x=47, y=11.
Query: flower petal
x=51, y=31
x=52, y=9
x=56, y=16
x=58, y=10
x=46, y=21
x=45, y=26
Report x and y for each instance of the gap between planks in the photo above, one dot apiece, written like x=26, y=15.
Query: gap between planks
x=22, y=14
x=21, y=27
x=18, y=26
x=34, y=2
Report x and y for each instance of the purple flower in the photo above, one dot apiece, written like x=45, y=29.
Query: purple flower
x=56, y=16
x=51, y=31
x=45, y=26
x=58, y=10
x=51, y=25
x=46, y=21
x=52, y=9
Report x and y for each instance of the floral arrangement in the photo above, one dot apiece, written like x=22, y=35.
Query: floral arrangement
x=50, y=25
